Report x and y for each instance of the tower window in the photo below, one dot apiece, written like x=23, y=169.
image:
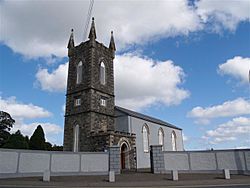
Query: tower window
x=77, y=102
x=76, y=138
x=103, y=101
x=79, y=73
x=102, y=74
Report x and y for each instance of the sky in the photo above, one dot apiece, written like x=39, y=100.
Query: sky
x=184, y=62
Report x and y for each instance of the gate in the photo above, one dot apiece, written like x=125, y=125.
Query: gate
x=130, y=159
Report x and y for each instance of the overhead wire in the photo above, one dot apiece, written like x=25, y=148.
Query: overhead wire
x=88, y=18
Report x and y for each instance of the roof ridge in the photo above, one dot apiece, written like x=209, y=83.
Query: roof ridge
x=146, y=117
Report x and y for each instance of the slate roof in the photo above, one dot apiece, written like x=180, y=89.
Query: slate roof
x=145, y=117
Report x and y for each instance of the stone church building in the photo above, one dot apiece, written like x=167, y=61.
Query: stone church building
x=93, y=122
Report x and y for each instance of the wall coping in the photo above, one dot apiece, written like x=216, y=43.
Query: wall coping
x=50, y=152
x=205, y=151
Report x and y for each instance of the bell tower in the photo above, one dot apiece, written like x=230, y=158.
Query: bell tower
x=89, y=116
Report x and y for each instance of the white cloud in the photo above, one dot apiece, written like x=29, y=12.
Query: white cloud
x=242, y=147
x=54, y=81
x=28, y=129
x=238, y=67
x=223, y=14
x=22, y=111
x=139, y=82
x=230, y=131
x=41, y=28
x=63, y=108
x=185, y=138
x=236, y=107
x=51, y=130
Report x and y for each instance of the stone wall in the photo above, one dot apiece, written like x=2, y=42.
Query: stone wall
x=102, y=140
x=84, y=131
x=237, y=161
x=21, y=163
x=90, y=115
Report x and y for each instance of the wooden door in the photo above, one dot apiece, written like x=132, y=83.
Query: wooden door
x=123, y=151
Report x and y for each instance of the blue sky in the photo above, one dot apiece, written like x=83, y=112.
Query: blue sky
x=189, y=64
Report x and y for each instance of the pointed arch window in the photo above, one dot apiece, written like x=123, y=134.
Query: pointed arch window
x=145, y=133
x=173, y=138
x=79, y=73
x=161, y=137
x=76, y=138
x=102, y=74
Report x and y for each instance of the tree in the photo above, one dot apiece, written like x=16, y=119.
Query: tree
x=6, y=123
x=37, y=140
x=16, y=141
x=57, y=148
x=48, y=146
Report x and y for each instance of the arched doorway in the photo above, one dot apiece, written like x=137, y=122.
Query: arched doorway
x=124, y=150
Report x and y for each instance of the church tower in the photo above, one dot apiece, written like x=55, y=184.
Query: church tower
x=89, y=116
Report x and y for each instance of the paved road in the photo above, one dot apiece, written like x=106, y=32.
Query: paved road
x=132, y=180
x=191, y=186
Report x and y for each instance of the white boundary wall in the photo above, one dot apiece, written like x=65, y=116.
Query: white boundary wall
x=21, y=163
x=237, y=161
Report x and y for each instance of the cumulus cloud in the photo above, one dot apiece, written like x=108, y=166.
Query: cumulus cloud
x=139, y=81
x=230, y=131
x=50, y=130
x=236, y=107
x=22, y=111
x=28, y=129
x=37, y=28
x=223, y=14
x=242, y=147
x=185, y=138
x=237, y=67
x=54, y=81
